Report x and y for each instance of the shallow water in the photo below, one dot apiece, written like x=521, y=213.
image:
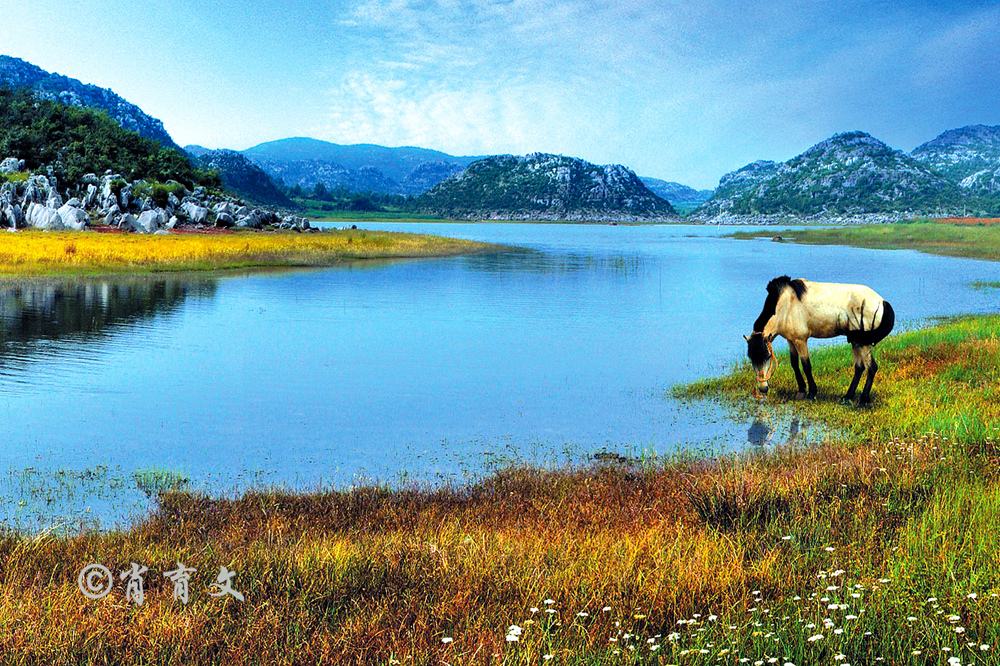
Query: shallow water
x=411, y=370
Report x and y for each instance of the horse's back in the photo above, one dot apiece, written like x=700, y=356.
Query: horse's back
x=831, y=308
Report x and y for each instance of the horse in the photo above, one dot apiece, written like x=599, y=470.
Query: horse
x=800, y=309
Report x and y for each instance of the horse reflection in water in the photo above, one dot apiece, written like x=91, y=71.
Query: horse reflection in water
x=761, y=433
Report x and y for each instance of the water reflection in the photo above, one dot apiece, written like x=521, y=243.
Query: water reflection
x=49, y=311
x=768, y=430
x=70, y=324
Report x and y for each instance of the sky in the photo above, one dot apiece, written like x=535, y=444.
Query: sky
x=683, y=90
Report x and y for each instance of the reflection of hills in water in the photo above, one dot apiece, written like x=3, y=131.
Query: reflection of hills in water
x=526, y=260
x=49, y=311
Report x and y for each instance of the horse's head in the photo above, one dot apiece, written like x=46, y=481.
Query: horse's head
x=761, y=357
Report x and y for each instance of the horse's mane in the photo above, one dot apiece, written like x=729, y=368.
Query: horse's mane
x=777, y=285
x=774, y=289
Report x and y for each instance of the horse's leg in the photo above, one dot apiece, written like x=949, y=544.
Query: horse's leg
x=798, y=374
x=859, y=368
x=869, y=360
x=803, y=351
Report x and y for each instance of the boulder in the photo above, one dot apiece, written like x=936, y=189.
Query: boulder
x=11, y=165
x=224, y=219
x=194, y=212
x=151, y=220
x=125, y=196
x=107, y=191
x=295, y=222
x=36, y=190
x=226, y=208
x=127, y=222
x=252, y=220
x=8, y=192
x=90, y=198
x=40, y=216
x=73, y=217
x=12, y=215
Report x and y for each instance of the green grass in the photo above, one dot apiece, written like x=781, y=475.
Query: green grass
x=944, y=379
x=953, y=240
x=880, y=544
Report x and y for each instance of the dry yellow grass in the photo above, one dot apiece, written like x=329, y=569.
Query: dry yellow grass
x=36, y=253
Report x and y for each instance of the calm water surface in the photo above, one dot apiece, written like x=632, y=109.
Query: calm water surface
x=411, y=370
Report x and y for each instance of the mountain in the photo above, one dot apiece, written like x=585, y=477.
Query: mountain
x=676, y=193
x=16, y=73
x=244, y=178
x=359, y=168
x=848, y=174
x=195, y=150
x=307, y=173
x=69, y=142
x=968, y=155
x=542, y=186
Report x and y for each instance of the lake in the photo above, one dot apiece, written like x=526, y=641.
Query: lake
x=408, y=371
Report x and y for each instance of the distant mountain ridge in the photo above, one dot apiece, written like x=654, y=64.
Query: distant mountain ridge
x=968, y=155
x=16, y=73
x=243, y=177
x=544, y=186
x=848, y=174
x=358, y=168
x=676, y=193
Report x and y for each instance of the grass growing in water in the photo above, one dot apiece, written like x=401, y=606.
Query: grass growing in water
x=60, y=253
x=155, y=481
x=877, y=548
x=945, y=238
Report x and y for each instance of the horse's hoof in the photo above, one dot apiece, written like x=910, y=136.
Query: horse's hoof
x=847, y=399
x=864, y=402
x=810, y=396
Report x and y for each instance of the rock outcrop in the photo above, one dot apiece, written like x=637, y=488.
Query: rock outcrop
x=137, y=207
x=543, y=186
x=851, y=175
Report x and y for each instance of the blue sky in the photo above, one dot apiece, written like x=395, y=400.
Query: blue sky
x=682, y=90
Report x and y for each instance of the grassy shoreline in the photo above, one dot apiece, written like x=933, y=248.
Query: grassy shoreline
x=946, y=238
x=43, y=254
x=881, y=546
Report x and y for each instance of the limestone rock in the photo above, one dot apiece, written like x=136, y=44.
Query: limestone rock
x=11, y=165
x=40, y=216
x=194, y=212
x=73, y=217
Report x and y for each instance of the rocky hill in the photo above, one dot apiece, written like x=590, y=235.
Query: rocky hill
x=676, y=193
x=357, y=168
x=16, y=73
x=968, y=155
x=542, y=186
x=244, y=178
x=850, y=174
x=307, y=173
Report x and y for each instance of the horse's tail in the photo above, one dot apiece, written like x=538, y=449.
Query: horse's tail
x=877, y=334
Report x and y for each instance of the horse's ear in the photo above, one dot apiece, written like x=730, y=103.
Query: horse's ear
x=747, y=338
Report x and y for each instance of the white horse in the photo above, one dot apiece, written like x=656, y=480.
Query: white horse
x=800, y=309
